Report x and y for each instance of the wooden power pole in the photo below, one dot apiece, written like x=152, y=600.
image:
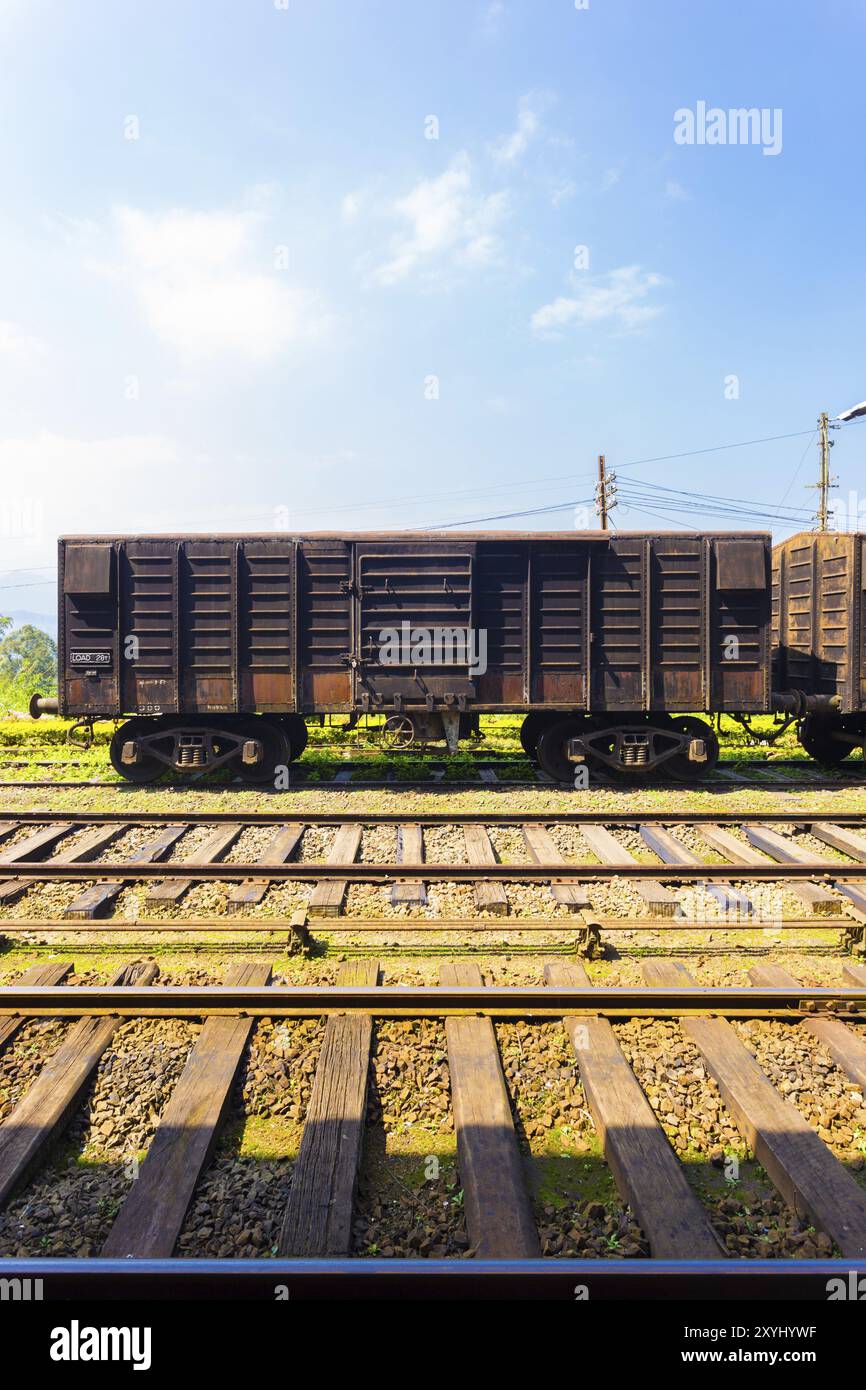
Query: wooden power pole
x=824, y=482
x=605, y=492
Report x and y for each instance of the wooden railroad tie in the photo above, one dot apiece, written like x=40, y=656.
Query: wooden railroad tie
x=809, y=1177
x=43, y=1113
x=48, y=974
x=318, y=1217
x=647, y=1172
x=541, y=847
x=326, y=899
x=498, y=1212
x=278, y=850
x=171, y=890
x=659, y=902
x=847, y=1048
x=489, y=897
x=94, y=899
x=150, y=1219
x=410, y=850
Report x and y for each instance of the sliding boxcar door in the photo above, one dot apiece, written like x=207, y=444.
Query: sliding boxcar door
x=415, y=621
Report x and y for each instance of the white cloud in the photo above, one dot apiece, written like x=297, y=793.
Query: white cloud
x=563, y=192
x=491, y=19
x=610, y=179
x=83, y=485
x=676, y=191
x=19, y=348
x=444, y=218
x=206, y=285
x=509, y=149
x=620, y=297
x=47, y=457
x=351, y=206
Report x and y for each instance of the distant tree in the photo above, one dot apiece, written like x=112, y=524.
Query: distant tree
x=5, y=624
x=29, y=655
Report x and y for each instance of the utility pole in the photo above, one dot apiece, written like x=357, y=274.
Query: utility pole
x=605, y=492
x=825, y=482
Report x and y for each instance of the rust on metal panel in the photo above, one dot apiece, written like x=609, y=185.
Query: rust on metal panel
x=677, y=675
x=148, y=615
x=819, y=617
x=558, y=609
x=618, y=623
x=88, y=569
x=266, y=625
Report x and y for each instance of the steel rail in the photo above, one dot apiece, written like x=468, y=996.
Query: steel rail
x=826, y=870
x=575, y=921
x=435, y=818
x=493, y=1001
x=715, y=784
x=409, y=1279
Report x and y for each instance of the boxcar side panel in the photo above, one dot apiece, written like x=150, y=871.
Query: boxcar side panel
x=415, y=609
x=619, y=624
x=859, y=607
x=678, y=650
x=615, y=623
x=325, y=627
x=88, y=655
x=208, y=626
x=559, y=630
x=835, y=616
x=266, y=624
x=501, y=578
x=149, y=606
x=739, y=623
x=819, y=623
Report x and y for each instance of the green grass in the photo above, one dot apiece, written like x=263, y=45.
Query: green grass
x=48, y=738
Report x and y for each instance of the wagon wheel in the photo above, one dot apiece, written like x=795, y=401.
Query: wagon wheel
x=679, y=767
x=530, y=732
x=398, y=732
x=816, y=736
x=148, y=768
x=276, y=751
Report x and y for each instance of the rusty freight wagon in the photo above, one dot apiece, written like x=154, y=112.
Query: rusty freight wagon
x=819, y=639
x=217, y=647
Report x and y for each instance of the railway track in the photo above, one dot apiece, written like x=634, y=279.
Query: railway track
x=682, y=871
x=796, y=773
x=682, y=1235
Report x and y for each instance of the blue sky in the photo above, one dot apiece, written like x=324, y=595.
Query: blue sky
x=241, y=288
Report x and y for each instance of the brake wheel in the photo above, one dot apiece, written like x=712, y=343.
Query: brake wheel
x=398, y=732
